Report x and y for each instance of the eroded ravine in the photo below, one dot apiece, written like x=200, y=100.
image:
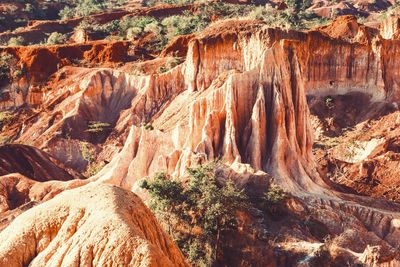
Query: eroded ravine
x=240, y=96
x=252, y=109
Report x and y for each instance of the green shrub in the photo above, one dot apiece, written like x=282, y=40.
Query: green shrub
x=202, y=203
x=170, y=63
x=181, y=25
x=110, y=27
x=93, y=168
x=6, y=117
x=299, y=4
x=289, y=18
x=83, y=8
x=67, y=13
x=16, y=41
x=178, y=2
x=133, y=27
x=272, y=202
x=28, y=8
x=87, y=7
x=172, y=2
x=148, y=126
x=56, y=38
x=275, y=195
x=137, y=27
x=92, y=26
x=89, y=154
x=5, y=66
x=18, y=73
x=329, y=102
x=86, y=24
x=97, y=127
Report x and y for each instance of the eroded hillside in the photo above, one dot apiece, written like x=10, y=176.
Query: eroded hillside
x=300, y=112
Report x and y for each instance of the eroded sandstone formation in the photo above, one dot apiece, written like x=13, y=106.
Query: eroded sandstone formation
x=240, y=96
x=248, y=104
x=91, y=226
x=33, y=163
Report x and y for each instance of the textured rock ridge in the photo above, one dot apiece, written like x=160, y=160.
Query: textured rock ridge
x=240, y=96
x=33, y=163
x=248, y=103
x=18, y=193
x=390, y=28
x=234, y=115
x=89, y=226
x=251, y=108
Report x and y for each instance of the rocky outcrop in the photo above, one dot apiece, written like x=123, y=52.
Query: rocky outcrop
x=93, y=225
x=243, y=99
x=33, y=163
x=390, y=27
x=19, y=193
x=36, y=64
x=239, y=96
x=29, y=176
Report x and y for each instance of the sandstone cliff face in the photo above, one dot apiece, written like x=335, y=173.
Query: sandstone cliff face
x=89, y=226
x=250, y=107
x=33, y=163
x=230, y=110
x=390, y=27
x=243, y=99
x=240, y=96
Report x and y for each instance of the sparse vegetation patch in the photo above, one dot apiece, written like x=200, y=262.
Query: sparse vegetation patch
x=97, y=127
x=89, y=154
x=198, y=213
x=56, y=38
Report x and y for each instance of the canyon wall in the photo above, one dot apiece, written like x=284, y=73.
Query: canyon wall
x=243, y=99
x=238, y=106
x=240, y=96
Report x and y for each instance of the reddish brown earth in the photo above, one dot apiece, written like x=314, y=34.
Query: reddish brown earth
x=314, y=112
x=33, y=163
x=37, y=31
x=41, y=62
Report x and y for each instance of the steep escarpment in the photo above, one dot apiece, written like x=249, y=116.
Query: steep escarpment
x=95, y=225
x=33, y=163
x=252, y=108
x=248, y=104
x=29, y=176
x=240, y=96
